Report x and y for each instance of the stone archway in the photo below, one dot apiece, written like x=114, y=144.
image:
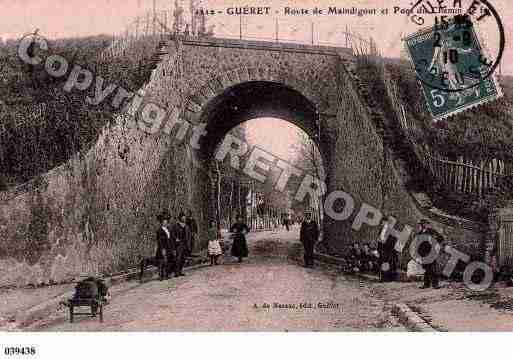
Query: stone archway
x=243, y=102
x=254, y=99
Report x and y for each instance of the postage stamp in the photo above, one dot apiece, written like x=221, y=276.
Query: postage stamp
x=452, y=66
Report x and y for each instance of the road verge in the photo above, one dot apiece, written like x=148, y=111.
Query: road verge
x=26, y=316
x=410, y=319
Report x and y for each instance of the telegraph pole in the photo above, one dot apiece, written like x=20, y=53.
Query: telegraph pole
x=154, y=16
x=312, y=32
x=165, y=20
x=147, y=30
x=347, y=36
x=276, y=30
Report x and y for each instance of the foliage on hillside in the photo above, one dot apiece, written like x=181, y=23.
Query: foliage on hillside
x=41, y=125
x=483, y=132
x=478, y=136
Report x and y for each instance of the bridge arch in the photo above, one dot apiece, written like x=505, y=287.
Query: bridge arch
x=200, y=95
x=255, y=99
x=245, y=101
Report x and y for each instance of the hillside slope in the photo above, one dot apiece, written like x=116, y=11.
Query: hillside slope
x=41, y=125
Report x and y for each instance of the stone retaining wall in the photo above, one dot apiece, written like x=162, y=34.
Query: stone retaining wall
x=97, y=212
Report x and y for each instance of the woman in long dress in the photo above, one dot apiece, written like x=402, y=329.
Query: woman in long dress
x=239, y=245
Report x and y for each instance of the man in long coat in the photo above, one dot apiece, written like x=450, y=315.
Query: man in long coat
x=308, y=235
x=181, y=235
x=388, y=256
x=428, y=238
x=165, y=247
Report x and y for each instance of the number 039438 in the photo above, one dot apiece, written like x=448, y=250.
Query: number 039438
x=19, y=351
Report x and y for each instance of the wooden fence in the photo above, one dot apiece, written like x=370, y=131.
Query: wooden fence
x=460, y=175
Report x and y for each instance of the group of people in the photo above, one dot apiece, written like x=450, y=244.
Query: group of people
x=383, y=257
x=427, y=241
x=174, y=243
x=239, y=247
x=377, y=257
x=364, y=259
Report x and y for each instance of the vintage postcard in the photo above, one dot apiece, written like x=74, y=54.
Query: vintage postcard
x=228, y=166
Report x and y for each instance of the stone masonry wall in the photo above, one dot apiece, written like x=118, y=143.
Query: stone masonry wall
x=362, y=167
x=96, y=213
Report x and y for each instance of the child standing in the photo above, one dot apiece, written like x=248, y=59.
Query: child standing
x=214, y=247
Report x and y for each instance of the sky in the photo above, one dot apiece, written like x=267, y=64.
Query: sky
x=275, y=135
x=64, y=18
x=71, y=18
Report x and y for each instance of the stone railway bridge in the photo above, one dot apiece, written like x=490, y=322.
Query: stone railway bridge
x=96, y=213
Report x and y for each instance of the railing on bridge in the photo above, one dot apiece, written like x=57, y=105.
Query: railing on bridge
x=148, y=30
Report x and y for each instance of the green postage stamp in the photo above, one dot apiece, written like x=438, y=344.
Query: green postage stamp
x=452, y=67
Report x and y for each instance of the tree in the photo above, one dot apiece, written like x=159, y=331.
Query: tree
x=310, y=161
x=178, y=18
x=227, y=184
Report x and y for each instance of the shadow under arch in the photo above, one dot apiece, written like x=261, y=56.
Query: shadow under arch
x=244, y=102
x=251, y=100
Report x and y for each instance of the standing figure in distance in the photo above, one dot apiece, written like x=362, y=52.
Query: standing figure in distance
x=308, y=235
x=430, y=241
x=181, y=235
x=286, y=222
x=165, y=246
x=388, y=256
x=239, y=245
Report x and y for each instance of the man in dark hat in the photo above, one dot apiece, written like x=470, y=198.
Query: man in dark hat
x=429, y=245
x=308, y=235
x=388, y=256
x=181, y=235
x=165, y=255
